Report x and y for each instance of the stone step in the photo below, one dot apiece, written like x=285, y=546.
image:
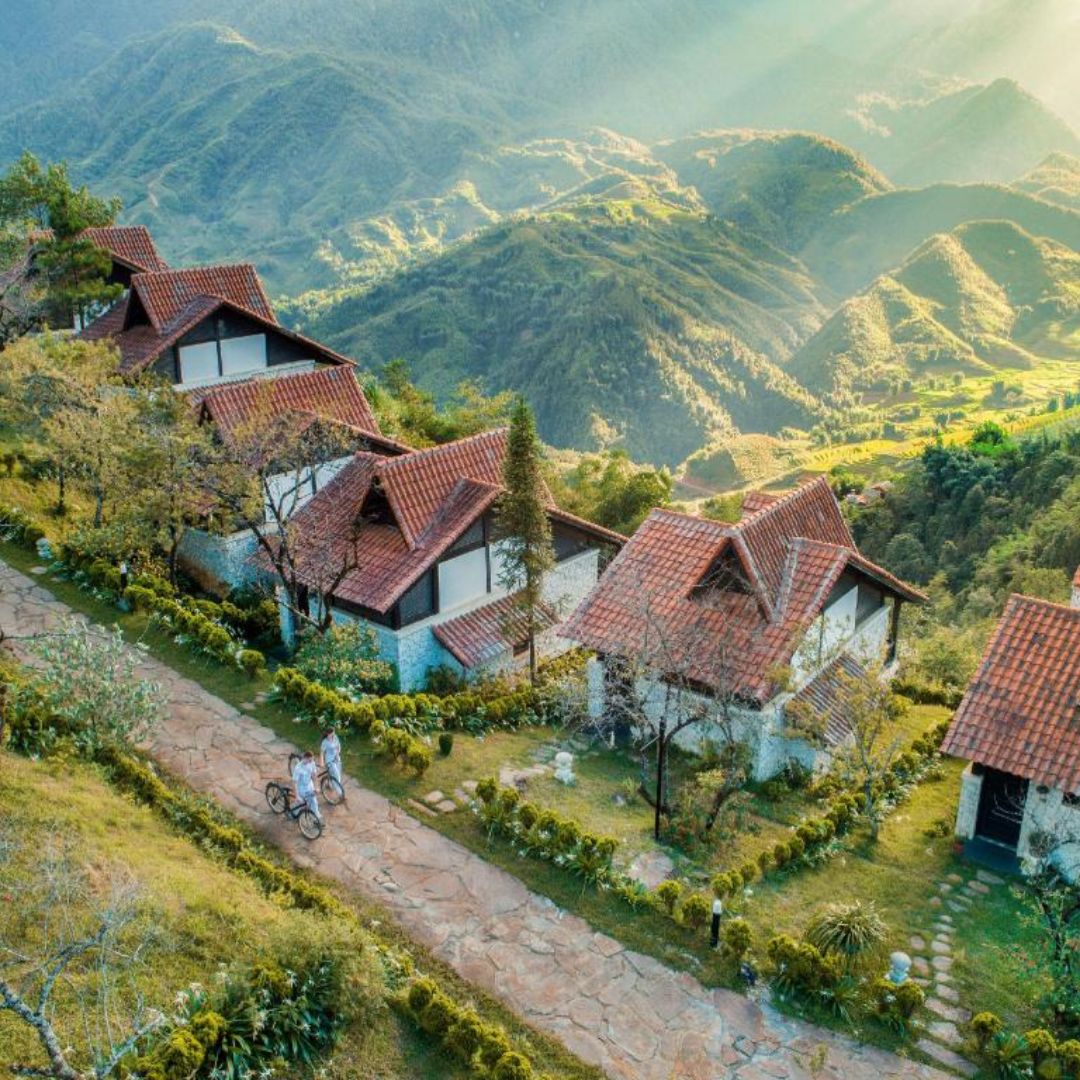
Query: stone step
x=949, y=1058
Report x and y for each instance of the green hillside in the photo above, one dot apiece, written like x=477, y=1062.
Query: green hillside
x=1056, y=179
x=631, y=322
x=781, y=185
x=987, y=295
x=877, y=233
x=992, y=132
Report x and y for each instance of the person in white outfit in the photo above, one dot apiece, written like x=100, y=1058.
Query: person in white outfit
x=330, y=754
x=304, y=778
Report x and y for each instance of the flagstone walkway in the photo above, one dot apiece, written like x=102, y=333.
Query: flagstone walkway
x=620, y=1010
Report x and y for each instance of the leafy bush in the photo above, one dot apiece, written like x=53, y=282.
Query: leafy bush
x=251, y=661
x=736, y=937
x=446, y=743
x=985, y=1026
x=345, y=658
x=1008, y=1056
x=896, y=1006
x=695, y=911
x=668, y=893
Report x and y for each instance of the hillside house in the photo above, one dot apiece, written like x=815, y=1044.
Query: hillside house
x=1018, y=726
x=203, y=326
x=419, y=529
x=754, y=614
x=329, y=396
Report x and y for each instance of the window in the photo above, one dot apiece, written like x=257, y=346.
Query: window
x=1072, y=798
x=246, y=353
x=198, y=362
x=462, y=578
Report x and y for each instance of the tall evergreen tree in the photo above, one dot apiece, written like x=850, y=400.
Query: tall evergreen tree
x=522, y=524
x=49, y=270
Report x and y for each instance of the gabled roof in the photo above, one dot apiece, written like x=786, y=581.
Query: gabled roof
x=330, y=393
x=724, y=605
x=1021, y=711
x=164, y=296
x=432, y=495
x=487, y=633
x=130, y=245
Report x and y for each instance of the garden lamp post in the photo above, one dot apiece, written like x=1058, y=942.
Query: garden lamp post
x=717, y=911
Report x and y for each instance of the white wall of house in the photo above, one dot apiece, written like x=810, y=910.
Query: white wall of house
x=1046, y=811
x=288, y=492
x=293, y=367
x=415, y=650
x=463, y=580
x=211, y=361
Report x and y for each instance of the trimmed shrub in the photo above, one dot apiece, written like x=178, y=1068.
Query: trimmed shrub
x=736, y=937
x=667, y=894
x=985, y=1026
x=850, y=929
x=446, y=743
x=695, y=911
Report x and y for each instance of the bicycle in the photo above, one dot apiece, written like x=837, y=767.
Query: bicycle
x=279, y=798
x=329, y=786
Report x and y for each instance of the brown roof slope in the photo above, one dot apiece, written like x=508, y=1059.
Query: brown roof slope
x=131, y=245
x=331, y=393
x=166, y=294
x=434, y=496
x=823, y=696
x=486, y=633
x=1021, y=711
x=654, y=601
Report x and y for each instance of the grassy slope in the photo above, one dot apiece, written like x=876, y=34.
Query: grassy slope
x=202, y=915
x=1055, y=179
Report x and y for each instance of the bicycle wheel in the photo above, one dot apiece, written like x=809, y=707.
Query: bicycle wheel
x=331, y=789
x=277, y=797
x=294, y=760
x=309, y=824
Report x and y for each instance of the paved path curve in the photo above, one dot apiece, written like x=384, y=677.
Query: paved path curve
x=620, y=1010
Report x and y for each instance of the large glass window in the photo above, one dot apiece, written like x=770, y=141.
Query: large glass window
x=419, y=602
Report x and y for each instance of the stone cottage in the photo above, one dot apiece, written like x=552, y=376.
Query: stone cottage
x=778, y=607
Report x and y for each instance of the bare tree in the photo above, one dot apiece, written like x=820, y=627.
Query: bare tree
x=682, y=673
x=265, y=470
x=64, y=950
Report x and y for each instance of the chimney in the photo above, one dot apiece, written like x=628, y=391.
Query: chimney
x=1076, y=589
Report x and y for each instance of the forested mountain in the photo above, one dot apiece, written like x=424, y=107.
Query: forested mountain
x=986, y=295
x=631, y=320
x=635, y=211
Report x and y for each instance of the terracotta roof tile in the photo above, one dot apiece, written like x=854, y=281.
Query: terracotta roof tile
x=434, y=495
x=754, y=501
x=724, y=605
x=1021, y=711
x=131, y=245
x=488, y=633
x=164, y=295
x=824, y=696
x=331, y=393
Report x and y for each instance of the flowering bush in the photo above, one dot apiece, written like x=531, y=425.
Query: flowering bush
x=345, y=658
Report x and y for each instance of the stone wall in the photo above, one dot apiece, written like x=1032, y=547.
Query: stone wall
x=218, y=563
x=1047, y=812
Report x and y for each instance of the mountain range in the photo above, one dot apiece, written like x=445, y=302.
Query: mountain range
x=664, y=221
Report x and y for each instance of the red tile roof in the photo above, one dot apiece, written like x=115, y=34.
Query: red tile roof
x=824, y=697
x=331, y=393
x=1021, y=711
x=165, y=295
x=488, y=633
x=131, y=245
x=753, y=501
x=725, y=605
x=434, y=496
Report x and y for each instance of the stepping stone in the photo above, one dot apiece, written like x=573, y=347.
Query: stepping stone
x=916, y=942
x=447, y=806
x=947, y=993
x=944, y=1031
x=953, y=1013
x=942, y=948
x=38, y=570
x=944, y=887
x=944, y=930
x=433, y=798
x=978, y=886
x=942, y=963
x=944, y=918
x=987, y=878
x=460, y=795
x=470, y=786
x=955, y=905
x=935, y=901
x=650, y=868
x=420, y=808
x=954, y=879
x=943, y=977
x=921, y=965
x=949, y=1058
x=920, y=981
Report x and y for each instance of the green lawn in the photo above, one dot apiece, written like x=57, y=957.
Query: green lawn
x=899, y=874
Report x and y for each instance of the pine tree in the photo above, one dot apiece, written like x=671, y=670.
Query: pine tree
x=523, y=525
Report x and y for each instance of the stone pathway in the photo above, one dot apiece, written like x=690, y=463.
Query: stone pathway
x=620, y=1010
x=932, y=962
